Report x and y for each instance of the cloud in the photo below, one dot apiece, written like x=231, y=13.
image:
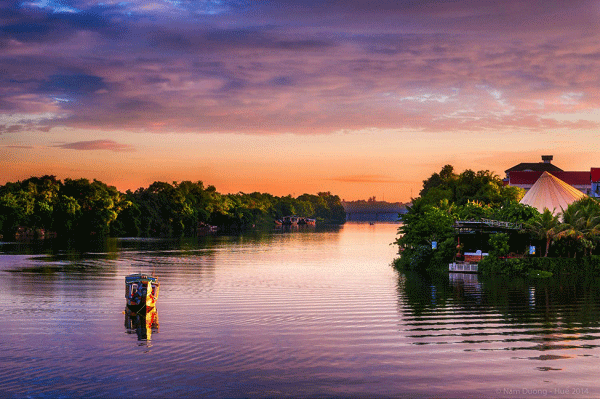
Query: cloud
x=23, y=122
x=107, y=145
x=28, y=22
x=72, y=84
x=297, y=67
x=11, y=128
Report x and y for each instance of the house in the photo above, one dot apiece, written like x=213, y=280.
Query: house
x=595, y=189
x=544, y=166
x=525, y=175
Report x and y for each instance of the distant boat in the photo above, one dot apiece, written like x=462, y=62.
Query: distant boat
x=141, y=292
x=204, y=229
x=290, y=220
x=297, y=220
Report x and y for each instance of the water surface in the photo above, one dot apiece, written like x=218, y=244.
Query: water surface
x=286, y=314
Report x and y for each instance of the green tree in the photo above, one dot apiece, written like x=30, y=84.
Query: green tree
x=499, y=245
x=544, y=226
x=447, y=197
x=581, y=225
x=99, y=205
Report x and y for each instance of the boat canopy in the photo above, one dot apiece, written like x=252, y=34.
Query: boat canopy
x=140, y=278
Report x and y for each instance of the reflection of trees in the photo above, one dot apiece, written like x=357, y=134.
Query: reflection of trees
x=421, y=292
x=572, y=301
x=541, y=315
x=87, y=257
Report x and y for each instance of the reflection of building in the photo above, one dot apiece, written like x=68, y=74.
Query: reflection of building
x=373, y=210
x=143, y=323
x=525, y=175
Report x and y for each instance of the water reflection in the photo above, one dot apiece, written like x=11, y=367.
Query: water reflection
x=557, y=319
x=142, y=323
x=287, y=314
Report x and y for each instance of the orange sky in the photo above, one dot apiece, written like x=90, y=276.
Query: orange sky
x=289, y=97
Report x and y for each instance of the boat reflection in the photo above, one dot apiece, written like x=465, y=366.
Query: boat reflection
x=143, y=324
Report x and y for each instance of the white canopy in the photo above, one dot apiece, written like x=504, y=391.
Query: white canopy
x=552, y=193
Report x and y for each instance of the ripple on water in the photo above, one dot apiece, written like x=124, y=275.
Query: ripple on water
x=288, y=315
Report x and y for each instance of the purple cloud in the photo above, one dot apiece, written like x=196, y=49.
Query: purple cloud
x=298, y=66
x=107, y=145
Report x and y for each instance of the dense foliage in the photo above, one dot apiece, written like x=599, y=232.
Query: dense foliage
x=39, y=205
x=540, y=266
x=447, y=197
x=574, y=233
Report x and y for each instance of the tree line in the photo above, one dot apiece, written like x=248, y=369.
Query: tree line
x=76, y=207
x=448, y=196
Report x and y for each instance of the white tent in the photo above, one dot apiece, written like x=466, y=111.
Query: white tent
x=552, y=193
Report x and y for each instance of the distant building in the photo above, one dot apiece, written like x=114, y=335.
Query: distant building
x=525, y=175
x=595, y=190
x=373, y=211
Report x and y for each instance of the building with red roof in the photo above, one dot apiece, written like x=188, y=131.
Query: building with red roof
x=525, y=175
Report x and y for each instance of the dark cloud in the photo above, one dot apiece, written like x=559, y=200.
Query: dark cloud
x=77, y=84
x=107, y=145
x=223, y=40
x=26, y=127
x=11, y=128
x=137, y=104
x=295, y=66
x=299, y=45
x=439, y=15
x=35, y=24
x=282, y=81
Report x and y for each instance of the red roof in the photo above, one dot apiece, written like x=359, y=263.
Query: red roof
x=595, y=174
x=572, y=178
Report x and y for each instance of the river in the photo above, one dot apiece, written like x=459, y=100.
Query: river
x=306, y=313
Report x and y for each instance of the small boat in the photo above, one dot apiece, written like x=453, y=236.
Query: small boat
x=141, y=292
x=290, y=220
x=204, y=229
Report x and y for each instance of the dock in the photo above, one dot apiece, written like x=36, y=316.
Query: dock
x=463, y=267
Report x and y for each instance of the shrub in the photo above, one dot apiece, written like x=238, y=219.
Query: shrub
x=540, y=266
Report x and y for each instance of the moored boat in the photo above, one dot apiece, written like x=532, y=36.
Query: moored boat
x=295, y=221
x=290, y=220
x=141, y=292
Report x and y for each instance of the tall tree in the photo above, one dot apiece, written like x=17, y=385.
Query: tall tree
x=544, y=226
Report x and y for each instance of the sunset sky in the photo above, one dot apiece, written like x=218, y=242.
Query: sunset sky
x=360, y=98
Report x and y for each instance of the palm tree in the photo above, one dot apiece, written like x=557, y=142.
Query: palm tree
x=545, y=226
x=581, y=222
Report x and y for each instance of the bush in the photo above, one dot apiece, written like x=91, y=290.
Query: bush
x=533, y=266
x=499, y=244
